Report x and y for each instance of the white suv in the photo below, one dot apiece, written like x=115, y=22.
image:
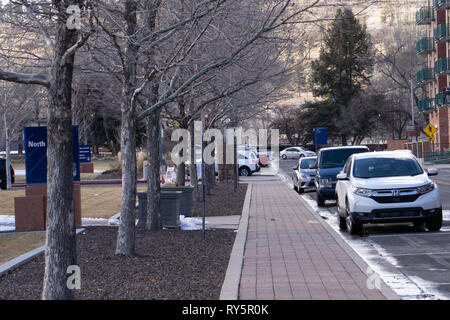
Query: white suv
x=387, y=186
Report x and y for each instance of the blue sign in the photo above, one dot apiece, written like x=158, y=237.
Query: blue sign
x=35, y=139
x=85, y=154
x=320, y=136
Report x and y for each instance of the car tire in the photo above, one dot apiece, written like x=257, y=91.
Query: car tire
x=302, y=155
x=320, y=200
x=284, y=157
x=353, y=227
x=300, y=190
x=244, y=171
x=342, y=222
x=434, y=223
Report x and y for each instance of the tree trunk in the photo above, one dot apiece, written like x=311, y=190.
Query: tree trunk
x=193, y=169
x=154, y=221
x=60, y=249
x=344, y=139
x=181, y=174
x=126, y=236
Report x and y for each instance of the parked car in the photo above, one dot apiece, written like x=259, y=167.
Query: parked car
x=3, y=174
x=295, y=153
x=303, y=174
x=248, y=163
x=387, y=186
x=330, y=162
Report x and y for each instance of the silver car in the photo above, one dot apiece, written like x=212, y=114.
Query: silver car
x=303, y=174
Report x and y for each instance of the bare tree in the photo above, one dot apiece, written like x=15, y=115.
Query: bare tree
x=49, y=20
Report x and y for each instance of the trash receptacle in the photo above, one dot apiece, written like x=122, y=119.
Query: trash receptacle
x=170, y=209
x=142, y=209
x=186, y=199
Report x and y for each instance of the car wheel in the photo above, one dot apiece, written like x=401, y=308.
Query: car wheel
x=302, y=155
x=353, y=227
x=341, y=220
x=244, y=172
x=320, y=200
x=300, y=190
x=434, y=223
x=284, y=157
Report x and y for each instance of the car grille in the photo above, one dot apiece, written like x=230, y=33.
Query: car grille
x=397, y=213
x=395, y=195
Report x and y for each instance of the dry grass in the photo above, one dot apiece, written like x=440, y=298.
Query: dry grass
x=13, y=245
x=99, y=164
x=96, y=202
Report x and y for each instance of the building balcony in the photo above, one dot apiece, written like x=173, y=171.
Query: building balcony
x=442, y=66
x=425, y=75
x=442, y=33
x=441, y=100
x=441, y=4
x=425, y=15
x=425, y=45
x=426, y=104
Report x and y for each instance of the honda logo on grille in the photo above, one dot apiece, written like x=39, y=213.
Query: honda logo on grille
x=395, y=193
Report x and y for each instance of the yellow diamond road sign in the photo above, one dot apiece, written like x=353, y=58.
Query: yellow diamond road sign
x=430, y=130
x=431, y=138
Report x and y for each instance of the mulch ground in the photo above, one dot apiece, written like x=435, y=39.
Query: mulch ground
x=169, y=264
x=216, y=204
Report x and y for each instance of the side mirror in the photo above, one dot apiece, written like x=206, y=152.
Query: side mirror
x=294, y=168
x=432, y=171
x=342, y=176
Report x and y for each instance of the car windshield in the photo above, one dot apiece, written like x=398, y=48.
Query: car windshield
x=304, y=164
x=386, y=167
x=337, y=158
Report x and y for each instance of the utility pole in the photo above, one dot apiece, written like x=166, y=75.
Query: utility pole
x=412, y=108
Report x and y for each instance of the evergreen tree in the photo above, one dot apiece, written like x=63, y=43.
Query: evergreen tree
x=344, y=64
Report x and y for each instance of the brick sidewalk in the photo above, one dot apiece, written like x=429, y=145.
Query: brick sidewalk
x=290, y=255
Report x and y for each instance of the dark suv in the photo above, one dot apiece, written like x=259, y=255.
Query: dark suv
x=330, y=162
x=3, y=174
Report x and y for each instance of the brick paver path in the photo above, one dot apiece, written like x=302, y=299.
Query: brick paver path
x=290, y=255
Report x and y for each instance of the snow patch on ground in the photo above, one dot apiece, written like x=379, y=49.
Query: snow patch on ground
x=7, y=223
x=191, y=223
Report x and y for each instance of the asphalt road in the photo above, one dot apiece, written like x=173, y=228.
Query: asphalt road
x=413, y=261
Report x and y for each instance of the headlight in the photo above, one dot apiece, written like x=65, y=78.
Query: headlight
x=426, y=188
x=326, y=182
x=363, y=192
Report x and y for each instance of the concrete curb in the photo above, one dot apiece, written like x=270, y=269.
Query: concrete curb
x=230, y=286
x=24, y=258
x=387, y=291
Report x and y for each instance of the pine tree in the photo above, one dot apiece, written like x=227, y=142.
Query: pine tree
x=344, y=64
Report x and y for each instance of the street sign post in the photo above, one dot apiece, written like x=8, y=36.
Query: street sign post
x=430, y=130
x=320, y=136
x=85, y=154
x=36, y=154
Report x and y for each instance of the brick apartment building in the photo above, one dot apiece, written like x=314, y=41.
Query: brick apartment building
x=434, y=46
